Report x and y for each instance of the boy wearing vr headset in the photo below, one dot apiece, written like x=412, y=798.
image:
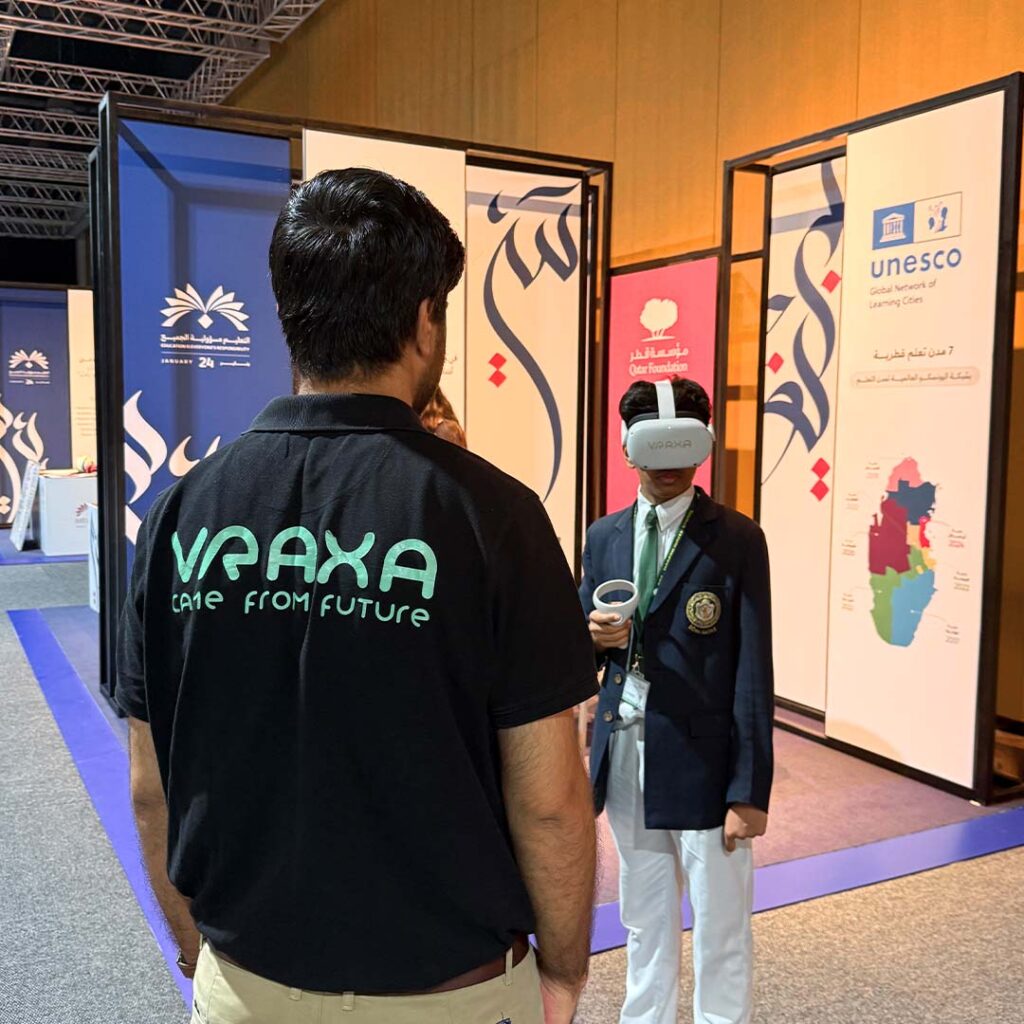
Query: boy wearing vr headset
x=682, y=748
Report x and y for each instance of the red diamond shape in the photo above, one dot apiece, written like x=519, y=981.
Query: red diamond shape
x=497, y=378
x=820, y=468
x=831, y=280
x=497, y=360
x=775, y=363
x=820, y=489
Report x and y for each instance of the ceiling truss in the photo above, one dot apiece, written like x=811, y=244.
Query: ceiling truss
x=48, y=109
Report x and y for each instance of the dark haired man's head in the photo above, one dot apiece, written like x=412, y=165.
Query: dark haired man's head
x=641, y=399
x=362, y=265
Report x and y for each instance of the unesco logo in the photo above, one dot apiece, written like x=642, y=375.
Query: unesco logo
x=220, y=302
x=925, y=220
x=28, y=367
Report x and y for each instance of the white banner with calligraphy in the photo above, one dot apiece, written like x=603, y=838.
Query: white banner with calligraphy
x=798, y=415
x=440, y=174
x=525, y=352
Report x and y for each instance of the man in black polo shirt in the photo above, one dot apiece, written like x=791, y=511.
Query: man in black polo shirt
x=349, y=654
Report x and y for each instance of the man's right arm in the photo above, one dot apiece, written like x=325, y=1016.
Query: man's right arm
x=551, y=816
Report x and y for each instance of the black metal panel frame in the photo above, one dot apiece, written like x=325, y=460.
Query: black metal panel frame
x=1012, y=87
x=595, y=175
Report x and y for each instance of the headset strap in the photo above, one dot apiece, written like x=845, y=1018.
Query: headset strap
x=666, y=400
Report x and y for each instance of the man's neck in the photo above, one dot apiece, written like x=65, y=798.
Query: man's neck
x=388, y=385
x=651, y=499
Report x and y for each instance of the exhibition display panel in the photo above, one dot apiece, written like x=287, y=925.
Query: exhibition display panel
x=889, y=250
x=47, y=384
x=661, y=323
x=184, y=200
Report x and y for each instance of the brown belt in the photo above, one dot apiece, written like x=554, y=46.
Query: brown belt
x=477, y=976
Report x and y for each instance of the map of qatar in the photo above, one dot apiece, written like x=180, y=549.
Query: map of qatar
x=899, y=554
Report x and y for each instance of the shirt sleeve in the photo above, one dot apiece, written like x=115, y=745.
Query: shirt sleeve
x=130, y=688
x=545, y=657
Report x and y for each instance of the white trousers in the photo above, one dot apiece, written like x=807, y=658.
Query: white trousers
x=655, y=864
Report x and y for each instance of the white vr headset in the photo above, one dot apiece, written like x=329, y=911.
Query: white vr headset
x=663, y=440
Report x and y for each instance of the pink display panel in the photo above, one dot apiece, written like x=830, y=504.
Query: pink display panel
x=662, y=325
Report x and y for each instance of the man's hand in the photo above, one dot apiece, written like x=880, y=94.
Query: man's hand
x=742, y=821
x=607, y=632
x=559, y=999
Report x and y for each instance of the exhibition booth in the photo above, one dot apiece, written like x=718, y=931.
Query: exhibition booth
x=881, y=259
x=867, y=271
x=184, y=201
x=855, y=330
x=47, y=411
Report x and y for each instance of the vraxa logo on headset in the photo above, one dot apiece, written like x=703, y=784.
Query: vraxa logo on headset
x=665, y=440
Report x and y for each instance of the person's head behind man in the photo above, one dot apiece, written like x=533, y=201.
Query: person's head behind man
x=660, y=485
x=362, y=265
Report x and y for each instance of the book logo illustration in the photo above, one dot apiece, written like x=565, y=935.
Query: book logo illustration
x=26, y=367
x=190, y=301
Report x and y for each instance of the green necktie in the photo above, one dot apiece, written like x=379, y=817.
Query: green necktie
x=647, y=567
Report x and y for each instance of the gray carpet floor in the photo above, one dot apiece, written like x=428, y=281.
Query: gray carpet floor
x=43, y=586
x=74, y=945
x=943, y=947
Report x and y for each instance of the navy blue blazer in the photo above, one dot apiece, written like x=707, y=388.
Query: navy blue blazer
x=708, y=720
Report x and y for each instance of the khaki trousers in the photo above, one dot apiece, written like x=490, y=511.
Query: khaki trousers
x=226, y=994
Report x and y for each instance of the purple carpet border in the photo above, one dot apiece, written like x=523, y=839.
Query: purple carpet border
x=101, y=762
x=826, y=874
x=103, y=765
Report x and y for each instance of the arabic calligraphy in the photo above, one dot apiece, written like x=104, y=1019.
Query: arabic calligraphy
x=959, y=376
x=921, y=352
x=804, y=403
x=562, y=257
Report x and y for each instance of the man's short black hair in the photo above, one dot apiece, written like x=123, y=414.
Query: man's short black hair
x=641, y=398
x=353, y=255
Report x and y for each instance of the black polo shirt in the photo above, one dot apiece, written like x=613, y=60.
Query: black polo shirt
x=328, y=621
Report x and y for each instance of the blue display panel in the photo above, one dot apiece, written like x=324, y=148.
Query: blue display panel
x=202, y=347
x=35, y=416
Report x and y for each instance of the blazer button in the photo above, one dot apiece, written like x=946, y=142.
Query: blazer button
x=618, y=678
x=609, y=716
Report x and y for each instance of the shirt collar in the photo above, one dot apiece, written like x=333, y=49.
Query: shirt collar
x=669, y=512
x=324, y=413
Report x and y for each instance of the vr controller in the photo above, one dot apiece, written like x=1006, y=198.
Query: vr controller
x=623, y=609
x=663, y=440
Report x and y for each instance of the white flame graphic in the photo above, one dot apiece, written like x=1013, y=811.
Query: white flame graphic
x=142, y=468
x=28, y=444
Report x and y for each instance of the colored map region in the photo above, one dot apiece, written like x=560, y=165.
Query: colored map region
x=900, y=559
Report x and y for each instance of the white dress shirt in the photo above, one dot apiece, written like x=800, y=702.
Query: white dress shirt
x=670, y=515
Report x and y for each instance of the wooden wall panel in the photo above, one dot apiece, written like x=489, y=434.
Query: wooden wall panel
x=505, y=72
x=343, y=63
x=576, y=45
x=788, y=68
x=941, y=45
x=665, y=128
x=425, y=67
x=281, y=84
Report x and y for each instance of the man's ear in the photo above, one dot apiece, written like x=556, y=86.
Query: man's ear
x=629, y=461
x=426, y=330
